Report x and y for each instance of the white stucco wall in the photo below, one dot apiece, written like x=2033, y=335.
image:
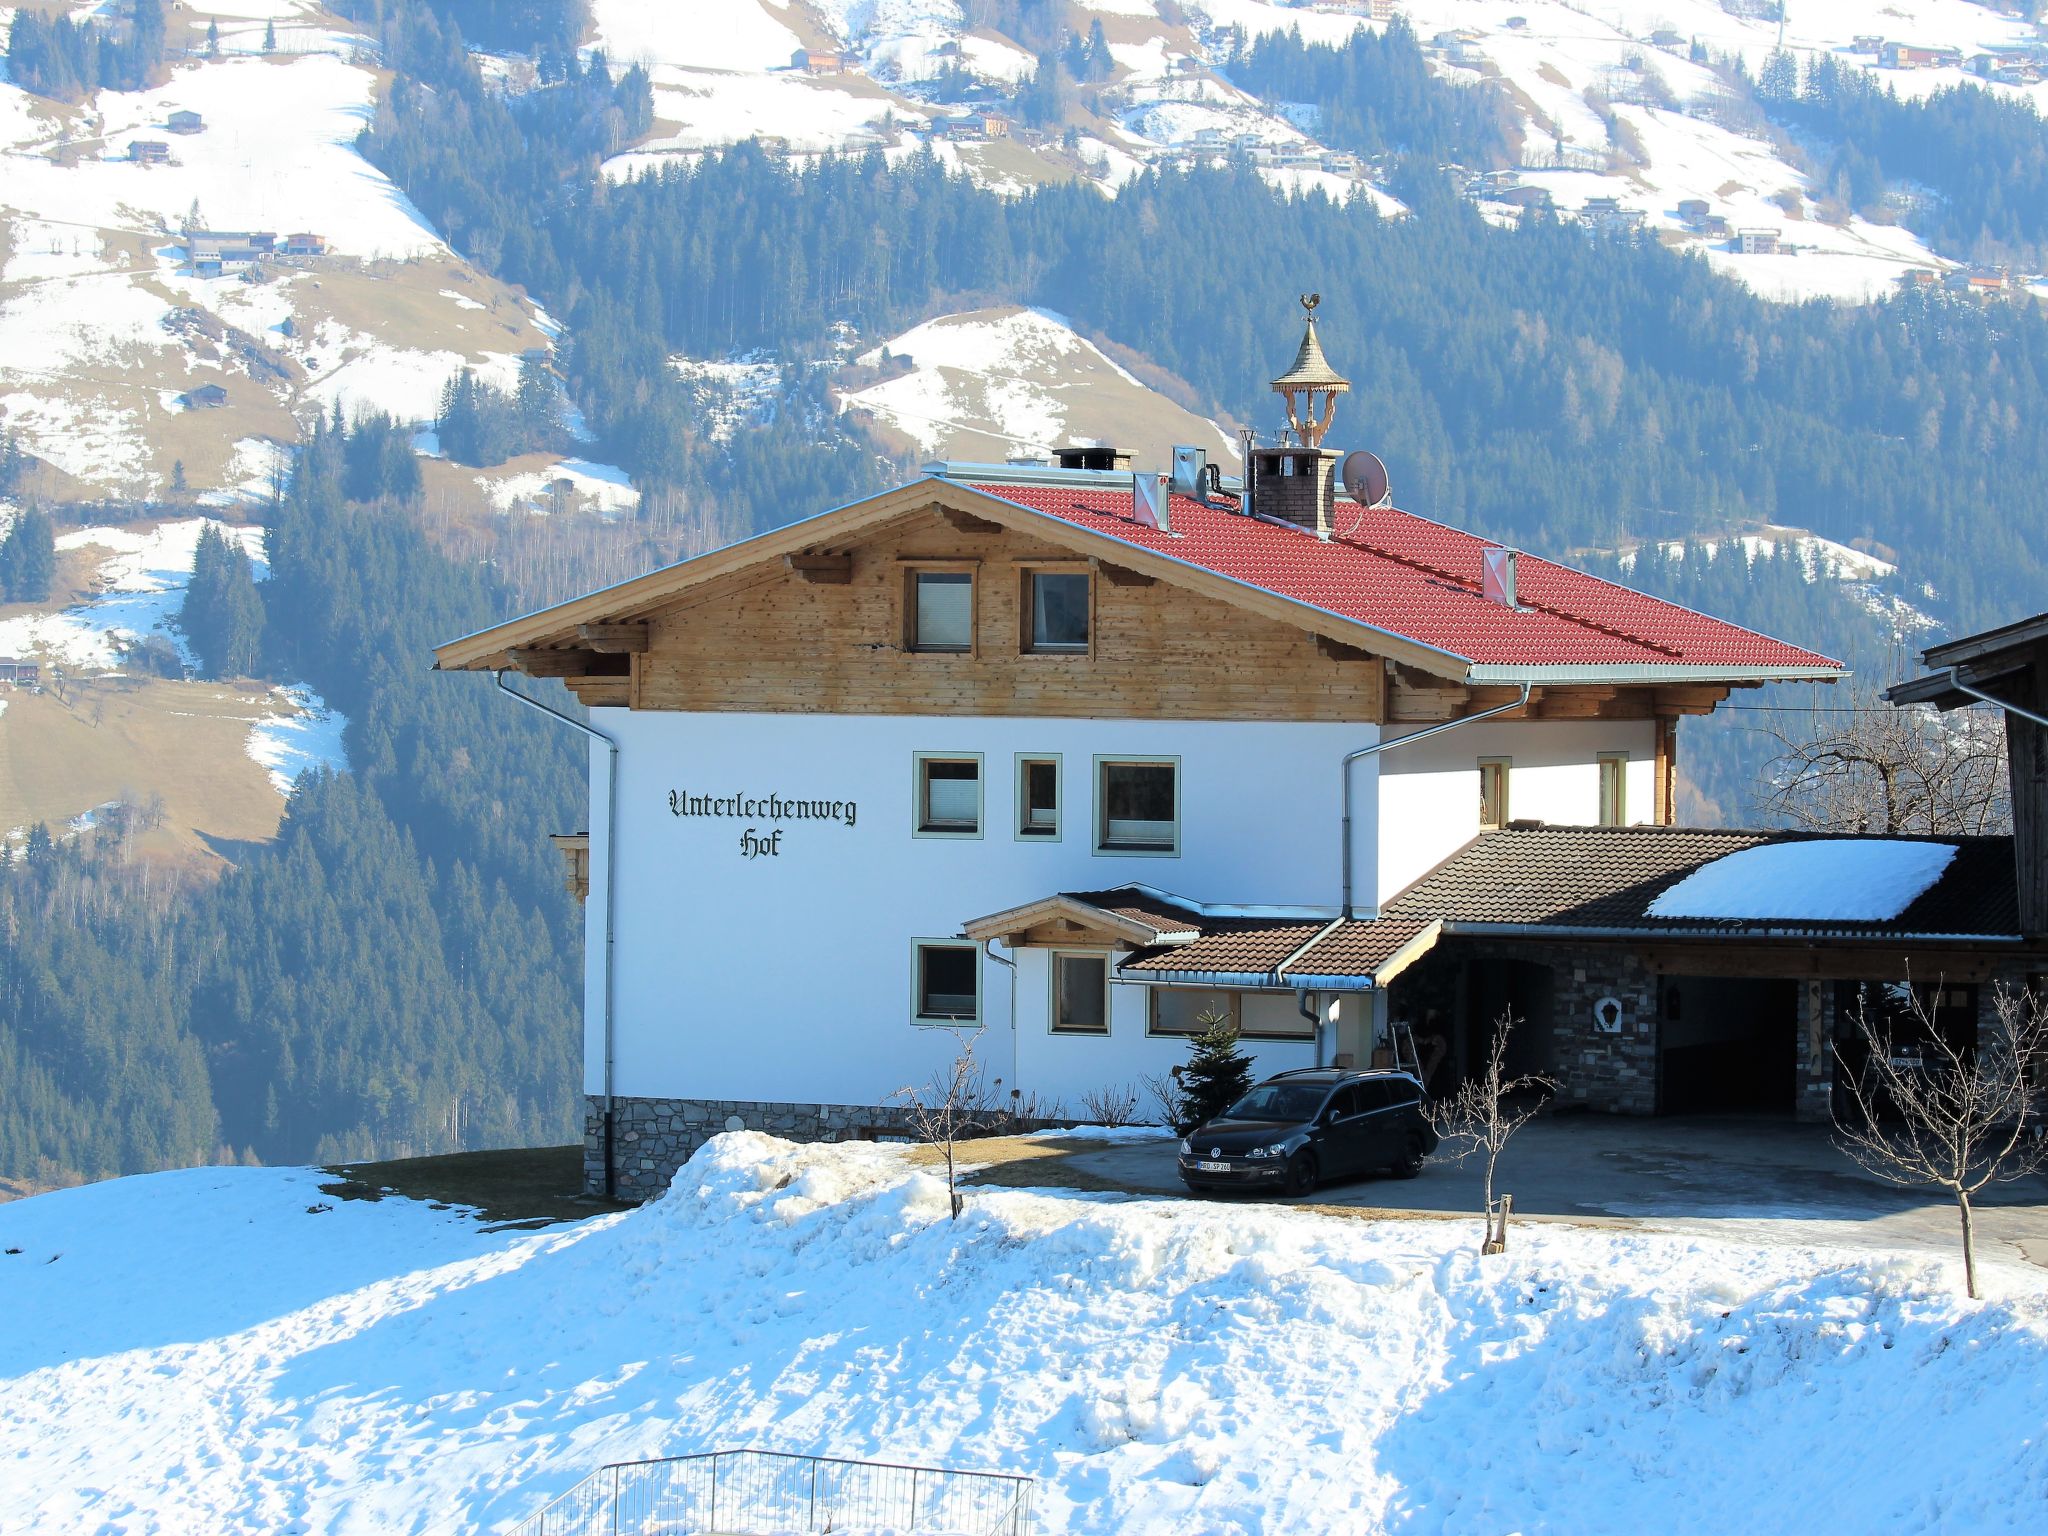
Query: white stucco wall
x=1428, y=794
x=788, y=976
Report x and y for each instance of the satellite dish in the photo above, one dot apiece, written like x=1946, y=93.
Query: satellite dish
x=1365, y=479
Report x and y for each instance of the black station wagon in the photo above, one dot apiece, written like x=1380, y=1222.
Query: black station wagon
x=1294, y=1131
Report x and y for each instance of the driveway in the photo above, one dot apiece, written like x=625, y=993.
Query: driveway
x=1754, y=1179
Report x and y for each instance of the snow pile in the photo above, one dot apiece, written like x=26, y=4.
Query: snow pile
x=1828, y=880
x=1159, y=1366
x=307, y=735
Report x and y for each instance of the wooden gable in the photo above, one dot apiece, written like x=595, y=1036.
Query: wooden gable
x=825, y=630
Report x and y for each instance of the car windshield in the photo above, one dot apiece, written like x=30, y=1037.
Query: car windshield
x=1278, y=1101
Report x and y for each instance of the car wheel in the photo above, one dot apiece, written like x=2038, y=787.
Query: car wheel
x=1411, y=1160
x=1302, y=1173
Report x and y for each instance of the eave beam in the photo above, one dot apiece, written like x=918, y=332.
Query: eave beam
x=615, y=639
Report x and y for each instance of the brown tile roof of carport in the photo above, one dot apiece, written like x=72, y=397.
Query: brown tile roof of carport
x=1606, y=877
x=1234, y=946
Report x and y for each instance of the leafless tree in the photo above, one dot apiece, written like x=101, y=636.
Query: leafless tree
x=1114, y=1104
x=951, y=1108
x=1483, y=1115
x=1165, y=1095
x=1878, y=769
x=1932, y=1112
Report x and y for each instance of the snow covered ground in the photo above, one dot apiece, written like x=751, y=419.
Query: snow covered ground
x=103, y=325
x=139, y=590
x=993, y=383
x=228, y=1350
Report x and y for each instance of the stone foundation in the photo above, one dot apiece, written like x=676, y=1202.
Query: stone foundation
x=655, y=1137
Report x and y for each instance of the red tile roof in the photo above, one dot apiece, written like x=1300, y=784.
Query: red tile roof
x=1411, y=577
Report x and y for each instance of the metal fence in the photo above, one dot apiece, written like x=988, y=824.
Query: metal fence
x=772, y=1493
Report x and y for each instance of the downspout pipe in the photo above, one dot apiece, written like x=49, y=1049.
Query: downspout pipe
x=1956, y=682
x=988, y=947
x=1374, y=750
x=611, y=905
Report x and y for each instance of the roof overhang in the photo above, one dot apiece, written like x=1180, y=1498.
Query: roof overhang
x=559, y=627
x=1641, y=673
x=2022, y=634
x=1084, y=915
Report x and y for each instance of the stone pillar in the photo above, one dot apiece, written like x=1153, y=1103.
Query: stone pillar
x=1813, y=1098
x=1613, y=1070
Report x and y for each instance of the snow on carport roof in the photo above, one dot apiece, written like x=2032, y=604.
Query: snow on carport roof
x=1830, y=880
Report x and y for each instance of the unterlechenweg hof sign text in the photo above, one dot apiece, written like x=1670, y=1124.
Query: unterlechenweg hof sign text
x=764, y=814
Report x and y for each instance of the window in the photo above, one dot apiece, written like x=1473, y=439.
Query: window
x=1190, y=1010
x=941, y=611
x=1038, y=798
x=1493, y=791
x=1080, y=994
x=1376, y=1093
x=946, y=982
x=1056, y=606
x=1137, y=805
x=1613, y=789
x=948, y=791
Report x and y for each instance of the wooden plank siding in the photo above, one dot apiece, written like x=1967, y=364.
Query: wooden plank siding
x=782, y=644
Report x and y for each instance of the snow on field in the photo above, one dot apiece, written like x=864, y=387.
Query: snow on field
x=1869, y=881
x=359, y=371
x=305, y=734
x=230, y=1350
x=1823, y=559
x=140, y=587
x=995, y=382
x=692, y=34
x=605, y=487
x=276, y=153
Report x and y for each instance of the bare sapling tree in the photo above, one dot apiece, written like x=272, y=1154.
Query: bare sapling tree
x=1114, y=1104
x=952, y=1107
x=1482, y=1116
x=1932, y=1111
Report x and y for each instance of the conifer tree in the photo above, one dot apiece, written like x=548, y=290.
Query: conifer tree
x=28, y=558
x=1216, y=1074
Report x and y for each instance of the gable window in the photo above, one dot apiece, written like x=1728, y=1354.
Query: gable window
x=946, y=982
x=1613, y=789
x=1038, y=798
x=1080, y=993
x=941, y=611
x=1493, y=791
x=1137, y=805
x=948, y=791
x=1056, y=606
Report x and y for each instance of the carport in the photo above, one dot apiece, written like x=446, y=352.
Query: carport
x=1676, y=971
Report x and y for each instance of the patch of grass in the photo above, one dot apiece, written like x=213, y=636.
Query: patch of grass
x=511, y=1187
x=1022, y=1162
x=128, y=738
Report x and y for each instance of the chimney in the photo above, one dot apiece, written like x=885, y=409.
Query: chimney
x=1297, y=481
x=1497, y=577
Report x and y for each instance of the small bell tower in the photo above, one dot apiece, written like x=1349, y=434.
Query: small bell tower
x=1297, y=480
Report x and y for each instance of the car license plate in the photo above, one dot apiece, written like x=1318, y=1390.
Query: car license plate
x=1213, y=1167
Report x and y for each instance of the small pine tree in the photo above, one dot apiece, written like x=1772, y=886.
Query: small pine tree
x=1216, y=1074
x=213, y=39
x=28, y=558
x=270, y=37
x=178, y=477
